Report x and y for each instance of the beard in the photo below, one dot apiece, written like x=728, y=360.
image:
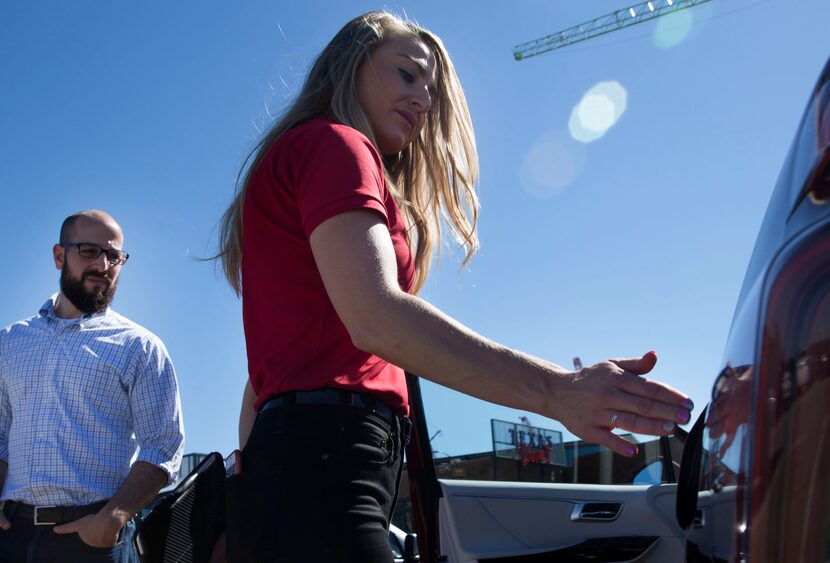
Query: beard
x=84, y=300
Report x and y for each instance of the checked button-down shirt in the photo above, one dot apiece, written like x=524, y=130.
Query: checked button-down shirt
x=78, y=397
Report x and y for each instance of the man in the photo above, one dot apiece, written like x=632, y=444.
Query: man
x=81, y=388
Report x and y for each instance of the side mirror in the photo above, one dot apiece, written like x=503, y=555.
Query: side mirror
x=410, y=548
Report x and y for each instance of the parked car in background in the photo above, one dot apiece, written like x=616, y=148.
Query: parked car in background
x=755, y=477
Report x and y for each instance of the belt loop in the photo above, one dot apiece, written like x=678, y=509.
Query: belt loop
x=347, y=398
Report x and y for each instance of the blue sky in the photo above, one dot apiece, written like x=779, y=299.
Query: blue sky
x=635, y=241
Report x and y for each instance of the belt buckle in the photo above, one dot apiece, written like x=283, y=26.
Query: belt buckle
x=37, y=516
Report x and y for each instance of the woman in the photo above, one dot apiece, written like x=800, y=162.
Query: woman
x=328, y=241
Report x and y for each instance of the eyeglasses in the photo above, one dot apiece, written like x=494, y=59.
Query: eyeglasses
x=115, y=256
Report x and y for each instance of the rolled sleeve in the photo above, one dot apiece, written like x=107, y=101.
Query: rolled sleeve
x=157, y=412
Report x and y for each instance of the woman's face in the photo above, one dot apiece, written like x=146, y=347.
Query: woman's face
x=394, y=89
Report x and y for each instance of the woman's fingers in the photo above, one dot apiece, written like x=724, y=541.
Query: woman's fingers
x=602, y=434
x=639, y=424
x=645, y=404
x=651, y=399
x=642, y=411
x=639, y=386
x=636, y=385
x=609, y=395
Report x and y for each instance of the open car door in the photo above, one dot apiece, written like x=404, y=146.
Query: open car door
x=536, y=500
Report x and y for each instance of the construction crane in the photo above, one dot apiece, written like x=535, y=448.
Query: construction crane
x=626, y=17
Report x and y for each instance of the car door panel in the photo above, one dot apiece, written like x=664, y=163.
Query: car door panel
x=497, y=521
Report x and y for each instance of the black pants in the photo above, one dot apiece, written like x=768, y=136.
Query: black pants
x=318, y=485
x=27, y=543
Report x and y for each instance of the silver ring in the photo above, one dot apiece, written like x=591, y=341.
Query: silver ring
x=614, y=418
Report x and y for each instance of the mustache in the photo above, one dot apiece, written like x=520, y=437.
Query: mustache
x=96, y=274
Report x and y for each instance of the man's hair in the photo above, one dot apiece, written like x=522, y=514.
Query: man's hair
x=432, y=180
x=69, y=222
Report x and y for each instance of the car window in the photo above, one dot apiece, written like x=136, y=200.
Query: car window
x=475, y=440
x=809, y=141
x=529, y=448
x=804, y=155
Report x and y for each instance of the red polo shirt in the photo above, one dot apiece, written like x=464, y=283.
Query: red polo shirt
x=295, y=339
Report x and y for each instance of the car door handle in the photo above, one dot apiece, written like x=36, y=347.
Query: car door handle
x=596, y=511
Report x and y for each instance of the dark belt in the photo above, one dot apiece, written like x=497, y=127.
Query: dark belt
x=50, y=515
x=330, y=396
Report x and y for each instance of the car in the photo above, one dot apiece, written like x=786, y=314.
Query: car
x=541, y=500
x=754, y=481
x=752, y=485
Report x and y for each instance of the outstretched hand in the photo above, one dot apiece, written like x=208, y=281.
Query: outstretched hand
x=612, y=394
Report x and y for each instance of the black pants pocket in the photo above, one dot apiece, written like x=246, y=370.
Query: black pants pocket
x=251, y=503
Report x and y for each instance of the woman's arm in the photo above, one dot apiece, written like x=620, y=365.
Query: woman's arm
x=247, y=414
x=356, y=260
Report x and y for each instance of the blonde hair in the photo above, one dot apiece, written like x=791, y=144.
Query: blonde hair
x=432, y=180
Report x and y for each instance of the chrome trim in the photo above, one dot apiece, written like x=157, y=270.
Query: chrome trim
x=577, y=514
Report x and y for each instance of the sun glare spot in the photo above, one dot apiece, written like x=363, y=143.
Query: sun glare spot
x=672, y=29
x=551, y=164
x=598, y=110
x=596, y=113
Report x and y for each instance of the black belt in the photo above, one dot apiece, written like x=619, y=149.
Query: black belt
x=50, y=515
x=330, y=396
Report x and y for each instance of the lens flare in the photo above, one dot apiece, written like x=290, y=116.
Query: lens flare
x=672, y=29
x=598, y=110
x=551, y=164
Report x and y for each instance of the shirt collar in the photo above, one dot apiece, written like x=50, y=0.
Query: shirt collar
x=48, y=311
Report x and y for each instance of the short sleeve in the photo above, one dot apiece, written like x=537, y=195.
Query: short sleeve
x=333, y=169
